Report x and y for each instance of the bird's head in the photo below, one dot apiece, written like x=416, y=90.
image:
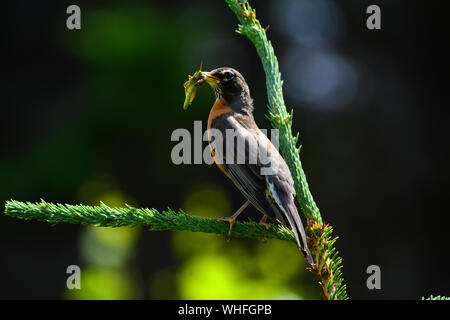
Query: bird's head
x=229, y=85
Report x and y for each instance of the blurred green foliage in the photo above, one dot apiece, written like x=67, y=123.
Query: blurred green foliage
x=111, y=140
x=214, y=268
x=209, y=266
x=109, y=269
x=88, y=115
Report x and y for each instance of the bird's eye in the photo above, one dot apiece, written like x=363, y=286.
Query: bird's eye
x=228, y=75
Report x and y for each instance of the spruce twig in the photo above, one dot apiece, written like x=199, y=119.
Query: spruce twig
x=328, y=265
x=104, y=216
x=436, y=298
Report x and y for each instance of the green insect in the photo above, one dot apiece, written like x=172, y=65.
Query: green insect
x=191, y=86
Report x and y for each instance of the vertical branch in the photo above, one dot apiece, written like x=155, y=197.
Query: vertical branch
x=328, y=265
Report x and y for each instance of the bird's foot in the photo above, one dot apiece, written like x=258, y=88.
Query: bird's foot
x=232, y=219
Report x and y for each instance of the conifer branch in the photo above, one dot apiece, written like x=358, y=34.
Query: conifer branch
x=104, y=216
x=328, y=268
x=436, y=298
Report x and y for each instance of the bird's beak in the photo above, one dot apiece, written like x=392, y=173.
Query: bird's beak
x=210, y=79
x=191, y=86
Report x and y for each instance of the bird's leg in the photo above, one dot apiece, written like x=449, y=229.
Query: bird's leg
x=232, y=219
x=263, y=222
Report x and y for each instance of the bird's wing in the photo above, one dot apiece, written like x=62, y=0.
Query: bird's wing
x=241, y=160
x=264, y=168
x=281, y=186
x=285, y=203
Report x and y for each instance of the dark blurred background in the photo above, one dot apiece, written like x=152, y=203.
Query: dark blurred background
x=87, y=116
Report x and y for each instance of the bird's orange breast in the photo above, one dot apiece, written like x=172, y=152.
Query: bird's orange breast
x=219, y=108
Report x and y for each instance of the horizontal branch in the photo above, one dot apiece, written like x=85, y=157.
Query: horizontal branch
x=104, y=216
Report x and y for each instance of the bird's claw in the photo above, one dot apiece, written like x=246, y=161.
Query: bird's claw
x=230, y=220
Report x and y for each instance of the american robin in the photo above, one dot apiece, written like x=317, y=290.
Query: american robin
x=245, y=155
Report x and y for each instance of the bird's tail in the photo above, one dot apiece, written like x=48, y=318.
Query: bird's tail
x=296, y=225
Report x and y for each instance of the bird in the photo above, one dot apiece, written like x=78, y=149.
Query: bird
x=246, y=156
